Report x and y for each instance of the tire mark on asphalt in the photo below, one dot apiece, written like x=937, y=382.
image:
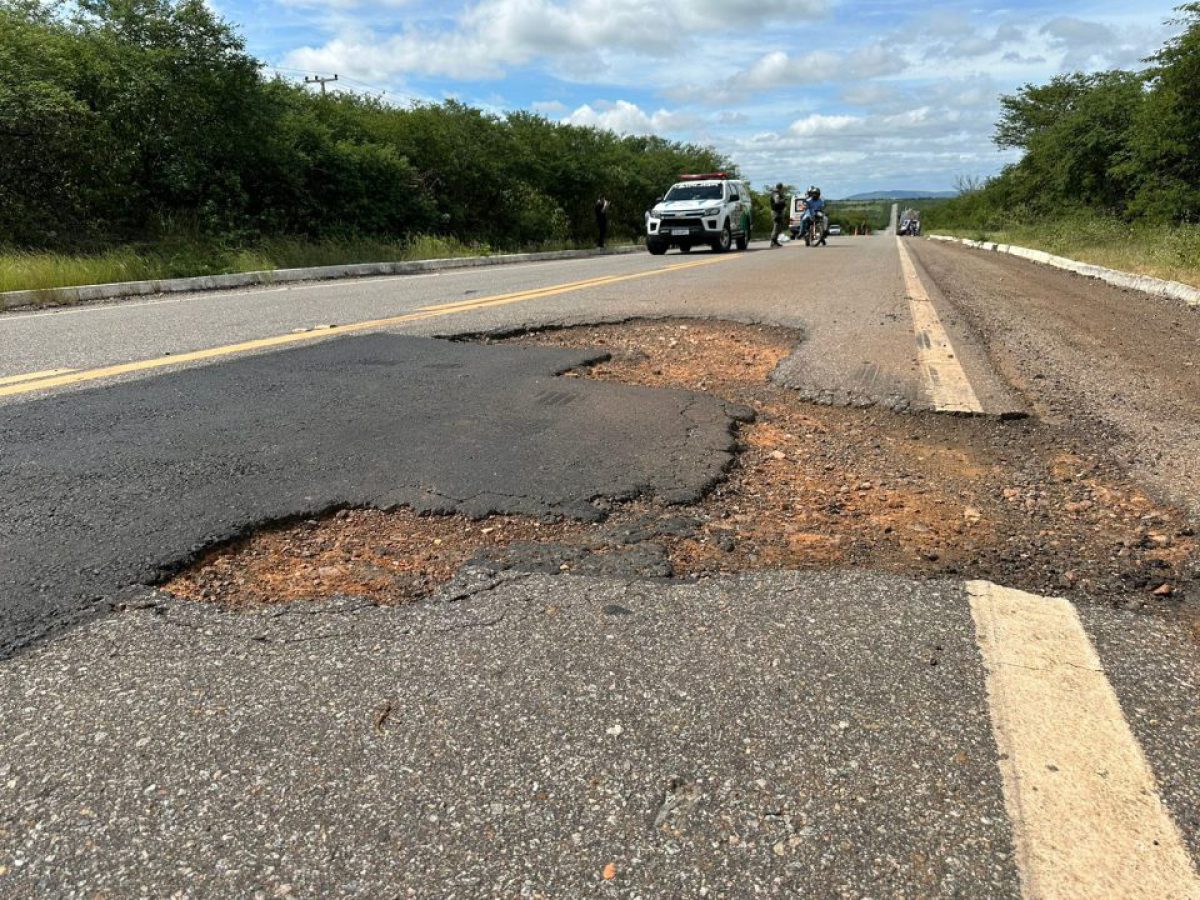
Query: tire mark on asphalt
x=947, y=383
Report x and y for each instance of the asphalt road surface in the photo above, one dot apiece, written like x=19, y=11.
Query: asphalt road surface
x=840, y=733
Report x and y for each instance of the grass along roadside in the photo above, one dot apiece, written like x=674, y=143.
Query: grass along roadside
x=22, y=270
x=1171, y=252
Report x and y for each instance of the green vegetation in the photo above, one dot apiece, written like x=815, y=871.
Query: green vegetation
x=1110, y=171
x=141, y=140
x=864, y=215
x=44, y=269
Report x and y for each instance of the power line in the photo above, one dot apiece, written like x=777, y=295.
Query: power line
x=340, y=79
x=322, y=80
x=368, y=86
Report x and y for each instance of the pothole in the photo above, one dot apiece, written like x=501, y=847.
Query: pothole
x=1022, y=503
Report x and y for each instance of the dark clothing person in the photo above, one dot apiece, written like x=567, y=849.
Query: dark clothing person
x=601, y=220
x=779, y=206
x=814, y=216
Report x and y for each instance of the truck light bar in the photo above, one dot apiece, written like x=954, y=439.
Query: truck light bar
x=711, y=176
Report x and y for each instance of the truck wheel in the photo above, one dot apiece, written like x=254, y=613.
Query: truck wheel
x=725, y=241
x=656, y=247
x=743, y=241
x=685, y=248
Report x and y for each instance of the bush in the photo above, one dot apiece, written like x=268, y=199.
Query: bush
x=136, y=120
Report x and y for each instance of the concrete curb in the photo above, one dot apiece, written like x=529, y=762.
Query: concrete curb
x=1157, y=286
x=67, y=296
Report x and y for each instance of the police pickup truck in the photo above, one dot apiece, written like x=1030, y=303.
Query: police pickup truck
x=708, y=209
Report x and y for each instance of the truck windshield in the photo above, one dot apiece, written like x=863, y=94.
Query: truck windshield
x=693, y=192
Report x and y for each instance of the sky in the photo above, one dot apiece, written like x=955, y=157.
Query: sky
x=851, y=95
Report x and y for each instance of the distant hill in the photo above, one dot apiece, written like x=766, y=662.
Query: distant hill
x=902, y=195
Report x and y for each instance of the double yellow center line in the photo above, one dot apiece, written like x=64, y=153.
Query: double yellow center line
x=53, y=378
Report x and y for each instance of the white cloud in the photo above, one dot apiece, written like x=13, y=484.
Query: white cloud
x=915, y=118
x=858, y=95
x=490, y=36
x=876, y=58
x=778, y=69
x=816, y=125
x=732, y=117
x=973, y=43
x=1086, y=45
x=345, y=5
x=871, y=94
x=624, y=117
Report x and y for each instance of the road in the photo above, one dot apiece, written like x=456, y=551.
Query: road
x=731, y=613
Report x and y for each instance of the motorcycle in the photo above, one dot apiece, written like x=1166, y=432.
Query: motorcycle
x=818, y=227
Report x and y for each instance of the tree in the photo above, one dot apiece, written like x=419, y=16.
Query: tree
x=1165, y=138
x=1075, y=132
x=139, y=119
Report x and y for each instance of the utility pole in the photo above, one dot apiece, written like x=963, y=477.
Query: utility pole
x=319, y=79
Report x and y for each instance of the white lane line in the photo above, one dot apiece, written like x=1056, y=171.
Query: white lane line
x=945, y=379
x=1087, y=818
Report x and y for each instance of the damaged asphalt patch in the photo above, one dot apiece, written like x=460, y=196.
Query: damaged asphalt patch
x=815, y=487
x=112, y=487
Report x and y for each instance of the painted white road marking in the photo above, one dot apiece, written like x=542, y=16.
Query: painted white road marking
x=1087, y=818
x=944, y=376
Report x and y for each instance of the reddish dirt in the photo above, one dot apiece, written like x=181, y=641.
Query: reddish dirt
x=1021, y=503
x=392, y=557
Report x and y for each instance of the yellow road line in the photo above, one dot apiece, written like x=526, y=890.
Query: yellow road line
x=1086, y=814
x=945, y=379
x=38, y=381
x=569, y=286
x=33, y=376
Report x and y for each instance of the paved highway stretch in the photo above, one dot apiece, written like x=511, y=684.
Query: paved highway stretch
x=838, y=733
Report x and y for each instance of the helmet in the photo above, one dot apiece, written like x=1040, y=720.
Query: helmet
x=816, y=192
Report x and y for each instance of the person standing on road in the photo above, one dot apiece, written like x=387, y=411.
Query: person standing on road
x=601, y=219
x=779, y=204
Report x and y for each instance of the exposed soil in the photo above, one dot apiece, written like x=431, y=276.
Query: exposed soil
x=1088, y=356
x=1025, y=504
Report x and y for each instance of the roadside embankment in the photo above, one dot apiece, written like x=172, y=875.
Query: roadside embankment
x=1149, y=284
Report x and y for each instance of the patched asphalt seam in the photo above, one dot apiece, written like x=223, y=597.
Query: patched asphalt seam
x=358, y=379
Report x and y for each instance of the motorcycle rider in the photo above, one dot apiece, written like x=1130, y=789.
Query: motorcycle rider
x=813, y=205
